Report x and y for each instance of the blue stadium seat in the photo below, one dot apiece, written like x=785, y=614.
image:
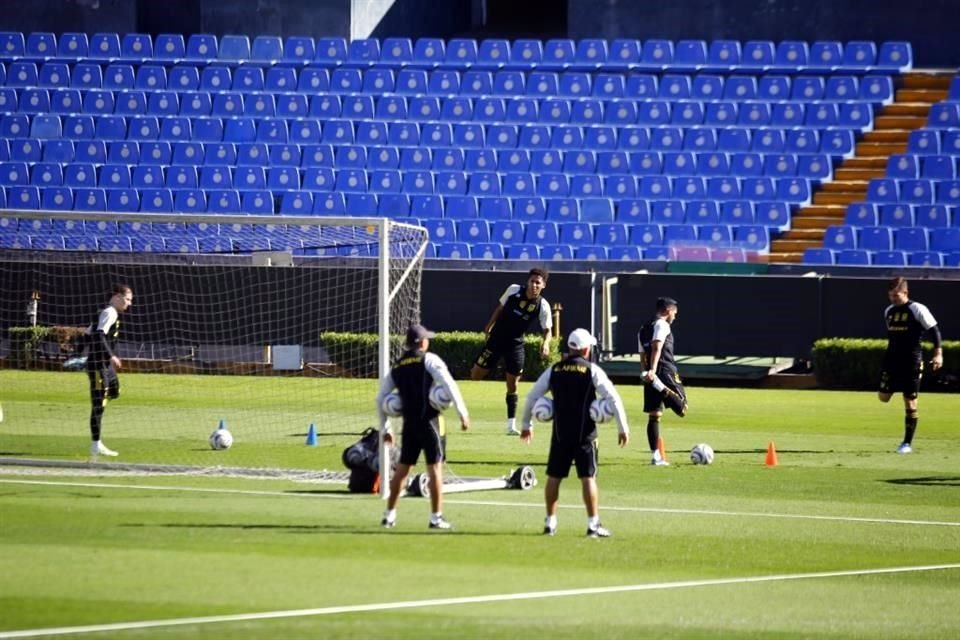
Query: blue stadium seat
x=952, y=259
x=839, y=237
x=689, y=55
x=317, y=179
x=753, y=237
x=65, y=101
x=263, y=49
x=875, y=238
x=757, y=54
x=889, y=258
x=331, y=51
x=541, y=232
x=679, y=235
x=895, y=56
x=657, y=54
x=702, y=212
x=182, y=78
x=746, y=164
x=561, y=53
x=859, y=54
x=148, y=177
x=168, y=46
x=458, y=206
x=910, y=239
x=507, y=232
x=473, y=230
x=862, y=214
x=234, y=47
x=118, y=76
x=793, y=190
x=774, y=87
x=73, y=46
x=808, y=88
x=931, y=216
x=526, y=54
x=646, y=235
x=156, y=200
x=296, y=203
x=54, y=74
x=453, y=250
x=189, y=201
x=563, y=210
x=826, y=55
x=611, y=234
x=451, y=183
x=428, y=52
x=425, y=206
x=791, y=55
x=724, y=189
x=523, y=251
x=667, y=212
x=740, y=88
x=917, y=191
x=104, y=47
x=924, y=142
x=732, y=140
x=545, y=84
x=328, y=204
x=756, y=114
x=56, y=198
x=574, y=84
x=853, y=257
x=945, y=239
x=529, y=209
x=948, y=192
x=723, y=55
x=707, y=87
x=556, y=252
x=714, y=235
x=926, y=259
x=876, y=89
x=247, y=78
x=487, y=251
x=363, y=52
x=288, y=178
x=493, y=53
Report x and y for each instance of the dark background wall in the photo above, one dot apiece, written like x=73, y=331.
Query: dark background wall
x=930, y=25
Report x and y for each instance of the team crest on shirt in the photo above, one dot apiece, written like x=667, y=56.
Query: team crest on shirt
x=531, y=306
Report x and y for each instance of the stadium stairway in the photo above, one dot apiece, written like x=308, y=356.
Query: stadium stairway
x=892, y=127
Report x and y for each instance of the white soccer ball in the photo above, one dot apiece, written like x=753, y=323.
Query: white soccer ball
x=701, y=454
x=392, y=405
x=440, y=397
x=543, y=409
x=221, y=439
x=602, y=410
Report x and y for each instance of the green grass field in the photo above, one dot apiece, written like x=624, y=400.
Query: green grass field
x=843, y=539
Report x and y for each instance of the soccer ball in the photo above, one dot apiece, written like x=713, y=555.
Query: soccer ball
x=543, y=409
x=602, y=410
x=701, y=454
x=221, y=439
x=440, y=397
x=392, y=405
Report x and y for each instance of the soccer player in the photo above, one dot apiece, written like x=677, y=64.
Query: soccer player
x=103, y=363
x=661, y=379
x=906, y=321
x=412, y=376
x=519, y=309
x=574, y=383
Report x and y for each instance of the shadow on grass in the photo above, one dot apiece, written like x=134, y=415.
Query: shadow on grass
x=317, y=528
x=928, y=481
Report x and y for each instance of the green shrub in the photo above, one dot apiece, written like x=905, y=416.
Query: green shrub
x=457, y=348
x=854, y=363
x=27, y=344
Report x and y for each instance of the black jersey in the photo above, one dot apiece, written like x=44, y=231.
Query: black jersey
x=657, y=329
x=519, y=315
x=102, y=335
x=413, y=381
x=572, y=388
x=906, y=324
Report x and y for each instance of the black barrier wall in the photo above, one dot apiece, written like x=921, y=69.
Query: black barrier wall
x=719, y=315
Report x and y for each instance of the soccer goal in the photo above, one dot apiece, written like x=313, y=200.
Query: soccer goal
x=275, y=327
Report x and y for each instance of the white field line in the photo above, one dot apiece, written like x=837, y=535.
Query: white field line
x=445, y=602
x=488, y=503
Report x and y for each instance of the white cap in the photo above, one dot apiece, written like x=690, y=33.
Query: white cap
x=580, y=339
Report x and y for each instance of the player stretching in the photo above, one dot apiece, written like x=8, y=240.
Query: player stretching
x=519, y=309
x=906, y=321
x=102, y=363
x=661, y=380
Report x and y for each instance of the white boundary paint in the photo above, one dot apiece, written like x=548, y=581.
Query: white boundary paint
x=488, y=503
x=446, y=602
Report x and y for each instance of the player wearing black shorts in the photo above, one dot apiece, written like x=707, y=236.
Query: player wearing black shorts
x=518, y=311
x=412, y=376
x=906, y=321
x=662, y=386
x=574, y=383
x=100, y=342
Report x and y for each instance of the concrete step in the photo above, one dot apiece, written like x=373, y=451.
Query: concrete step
x=813, y=223
x=920, y=95
x=785, y=256
x=907, y=109
x=821, y=211
x=852, y=174
x=926, y=80
x=875, y=149
x=803, y=234
x=899, y=122
x=792, y=246
x=823, y=197
x=876, y=162
x=892, y=135
x=844, y=186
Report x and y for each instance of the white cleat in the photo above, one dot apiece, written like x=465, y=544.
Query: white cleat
x=904, y=448
x=100, y=449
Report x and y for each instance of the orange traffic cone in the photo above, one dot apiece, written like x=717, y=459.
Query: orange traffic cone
x=661, y=449
x=771, y=455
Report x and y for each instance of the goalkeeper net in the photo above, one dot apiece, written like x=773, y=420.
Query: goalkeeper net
x=275, y=328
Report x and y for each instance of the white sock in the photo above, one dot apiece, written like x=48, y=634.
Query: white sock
x=655, y=454
x=550, y=521
x=436, y=517
x=511, y=423
x=593, y=522
x=390, y=514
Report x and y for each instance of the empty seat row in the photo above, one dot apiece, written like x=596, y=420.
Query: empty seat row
x=153, y=77
x=934, y=142
x=463, y=52
x=889, y=258
x=881, y=238
x=815, y=114
x=479, y=183
x=869, y=214
x=926, y=166
x=497, y=251
x=919, y=191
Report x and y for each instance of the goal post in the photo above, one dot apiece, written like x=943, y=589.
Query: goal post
x=271, y=324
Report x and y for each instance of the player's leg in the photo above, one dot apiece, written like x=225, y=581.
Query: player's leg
x=98, y=404
x=587, y=465
x=409, y=453
x=674, y=395
x=433, y=455
x=513, y=366
x=885, y=392
x=485, y=361
x=558, y=467
x=653, y=407
x=911, y=394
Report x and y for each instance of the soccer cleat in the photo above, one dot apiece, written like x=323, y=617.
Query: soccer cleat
x=657, y=460
x=100, y=449
x=440, y=523
x=904, y=448
x=549, y=530
x=599, y=531
x=387, y=523
x=512, y=430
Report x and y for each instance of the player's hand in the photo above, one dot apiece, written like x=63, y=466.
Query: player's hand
x=115, y=361
x=937, y=361
x=464, y=423
x=649, y=376
x=623, y=439
x=545, y=352
x=526, y=436
x=388, y=438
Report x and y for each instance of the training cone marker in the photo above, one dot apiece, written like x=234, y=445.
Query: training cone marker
x=771, y=460
x=223, y=425
x=312, y=436
x=662, y=449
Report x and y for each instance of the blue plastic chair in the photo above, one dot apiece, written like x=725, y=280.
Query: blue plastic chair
x=526, y=54
x=234, y=47
x=363, y=52
x=104, y=47
x=926, y=259
x=657, y=54
x=724, y=55
x=931, y=216
x=757, y=55
x=529, y=209
x=136, y=47
x=541, y=232
x=288, y=178
x=689, y=55
x=826, y=55
x=818, y=255
x=263, y=49
x=493, y=53
x=168, y=46
x=646, y=235
x=859, y=55
x=428, y=52
x=316, y=179
x=895, y=56
x=73, y=46
x=331, y=51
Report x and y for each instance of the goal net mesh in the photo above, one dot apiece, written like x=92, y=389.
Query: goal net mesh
x=272, y=332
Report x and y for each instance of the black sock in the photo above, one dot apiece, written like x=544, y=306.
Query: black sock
x=909, y=426
x=512, y=399
x=96, y=416
x=653, y=431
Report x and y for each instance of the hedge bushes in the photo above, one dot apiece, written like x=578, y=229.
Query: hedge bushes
x=28, y=344
x=854, y=363
x=457, y=348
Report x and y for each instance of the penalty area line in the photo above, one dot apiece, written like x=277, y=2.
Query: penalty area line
x=446, y=602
